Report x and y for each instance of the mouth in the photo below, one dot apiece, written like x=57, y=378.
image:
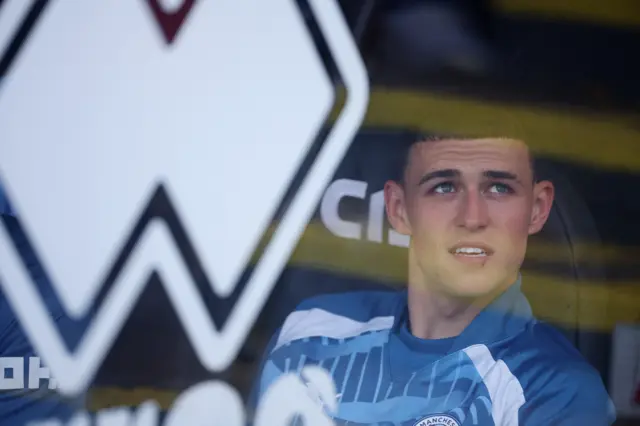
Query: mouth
x=470, y=250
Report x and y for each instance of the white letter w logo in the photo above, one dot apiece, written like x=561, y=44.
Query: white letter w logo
x=224, y=129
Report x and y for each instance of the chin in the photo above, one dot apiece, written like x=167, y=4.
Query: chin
x=473, y=285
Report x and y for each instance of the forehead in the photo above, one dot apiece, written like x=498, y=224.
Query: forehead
x=471, y=156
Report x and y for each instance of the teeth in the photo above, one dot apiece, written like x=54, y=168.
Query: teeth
x=470, y=250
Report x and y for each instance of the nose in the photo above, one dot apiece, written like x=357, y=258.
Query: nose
x=472, y=211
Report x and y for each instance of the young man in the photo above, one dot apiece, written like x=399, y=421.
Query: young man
x=460, y=346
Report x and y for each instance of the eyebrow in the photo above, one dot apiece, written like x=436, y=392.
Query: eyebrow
x=439, y=174
x=452, y=173
x=499, y=174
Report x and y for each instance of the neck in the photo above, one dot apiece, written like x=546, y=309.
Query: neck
x=434, y=315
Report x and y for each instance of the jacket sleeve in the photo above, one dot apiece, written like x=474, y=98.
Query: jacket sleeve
x=576, y=398
x=19, y=404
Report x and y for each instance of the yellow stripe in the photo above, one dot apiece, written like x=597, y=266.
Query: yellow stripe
x=587, y=305
x=586, y=253
x=594, y=305
x=111, y=397
x=607, y=12
x=605, y=140
x=318, y=244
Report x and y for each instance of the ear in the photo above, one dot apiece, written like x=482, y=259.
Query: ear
x=394, y=201
x=543, y=195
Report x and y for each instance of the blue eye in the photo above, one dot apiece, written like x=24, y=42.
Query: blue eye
x=500, y=188
x=444, y=188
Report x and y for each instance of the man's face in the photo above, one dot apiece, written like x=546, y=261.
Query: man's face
x=469, y=207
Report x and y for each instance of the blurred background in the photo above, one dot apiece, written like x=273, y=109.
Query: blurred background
x=563, y=75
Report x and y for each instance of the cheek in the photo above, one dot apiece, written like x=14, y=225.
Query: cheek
x=514, y=224
x=430, y=233
x=428, y=219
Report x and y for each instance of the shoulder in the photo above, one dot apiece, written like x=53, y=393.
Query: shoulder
x=356, y=305
x=341, y=315
x=558, y=385
x=10, y=328
x=330, y=316
x=542, y=348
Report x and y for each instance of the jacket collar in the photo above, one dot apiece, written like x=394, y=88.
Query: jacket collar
x=506, y=316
